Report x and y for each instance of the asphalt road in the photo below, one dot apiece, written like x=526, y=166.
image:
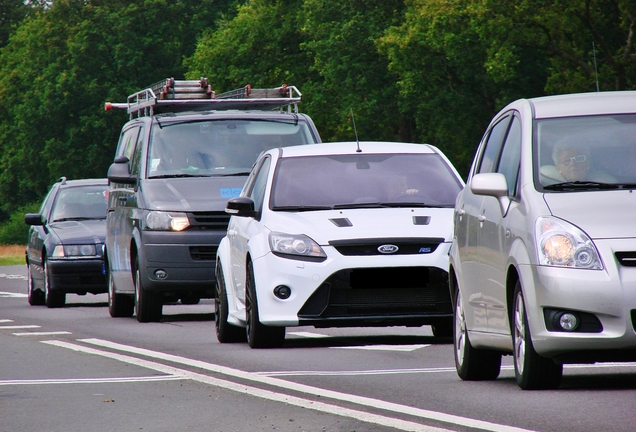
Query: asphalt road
x=78, y=369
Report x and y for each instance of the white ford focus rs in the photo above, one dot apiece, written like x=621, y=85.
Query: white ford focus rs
x=338, y=235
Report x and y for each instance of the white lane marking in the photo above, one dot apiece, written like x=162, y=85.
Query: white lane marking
x=90, y=380
x=308, y=335
x=51, y=333
x=358, y=372
x=12, y=276
x=18, y=327
x=258, y=392
x=11, y=295
x=360, y=400
x=2, y=321
x=403, y=348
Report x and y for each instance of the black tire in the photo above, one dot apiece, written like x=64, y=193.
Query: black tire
x=119, y=305
x=148, y=307
x=35, y=297
x=52, y=299
x=532, y=371
x=225, y=332
x=472, y=364
x=259, y=335
x=443, y=329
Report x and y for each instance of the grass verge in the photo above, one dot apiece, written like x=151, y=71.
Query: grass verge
x=11, y=255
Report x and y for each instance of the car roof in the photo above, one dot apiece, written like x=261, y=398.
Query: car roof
x=227, y=114
x=85, y=182
x=580, y=104
x=351, y=147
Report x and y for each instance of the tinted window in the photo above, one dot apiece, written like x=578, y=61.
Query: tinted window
x=511, y=156
x=80, y=202
x=388, y=179
x=257, y=193
x=218, y=147
x=493, y=145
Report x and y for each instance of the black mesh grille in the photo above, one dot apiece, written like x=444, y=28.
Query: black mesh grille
x=378, y=292
x=209, y=220
x=363, y=247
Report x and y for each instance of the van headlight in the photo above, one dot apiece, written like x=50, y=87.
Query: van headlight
x=561, y=244
x=167, y=221
x=296, y=246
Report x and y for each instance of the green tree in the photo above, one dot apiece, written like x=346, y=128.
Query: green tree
x=52, y=121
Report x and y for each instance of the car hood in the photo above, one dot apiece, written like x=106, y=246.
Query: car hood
x=80, y=232
x=191, y=194
x=323, y=226
x=602, y=214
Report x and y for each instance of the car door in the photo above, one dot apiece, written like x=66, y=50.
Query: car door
x=241, y=229
x=496, y=237
x=37, y=237
x=122, y=201
x=474, y=231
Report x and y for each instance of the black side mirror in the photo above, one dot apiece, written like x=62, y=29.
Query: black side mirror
x=33, y=219
x=241, y=206
x=119, y=171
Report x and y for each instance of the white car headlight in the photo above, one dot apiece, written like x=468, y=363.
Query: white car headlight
x=295, y=246
x=62, y=251
x=561, y=244
x=167, y=221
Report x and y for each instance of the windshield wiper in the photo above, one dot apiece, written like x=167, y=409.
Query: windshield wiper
x=301, y=208
x=242, y=173
x=76, y=219
x=578, y=185
x=178, y=176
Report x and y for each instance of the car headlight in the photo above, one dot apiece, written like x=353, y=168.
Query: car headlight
x=167, y=221
x=64, y=251
x=561, y=244
x=296, y=246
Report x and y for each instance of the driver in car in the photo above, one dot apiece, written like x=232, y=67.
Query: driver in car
x=571, y=164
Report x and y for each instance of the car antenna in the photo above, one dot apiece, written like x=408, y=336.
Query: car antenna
x=358, y=150
x=595, y=70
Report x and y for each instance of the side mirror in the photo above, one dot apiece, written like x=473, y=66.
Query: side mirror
x=33, y=219
x=494, y=185
x=119, y=172
x=241, y=206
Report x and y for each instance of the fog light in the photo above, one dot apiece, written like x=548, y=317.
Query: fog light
x=161, y=274
x=282, y=292
x=568, y=321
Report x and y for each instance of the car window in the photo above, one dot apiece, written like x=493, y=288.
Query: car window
x=511, y=156
x=219, y=147
x=377, y=179
x=493, y=146
x=587, y=150
x=136, y=156
x=80, y=202
x=257, y=192
x=45, y=208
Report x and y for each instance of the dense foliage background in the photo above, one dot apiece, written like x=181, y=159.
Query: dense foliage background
x=430, y=71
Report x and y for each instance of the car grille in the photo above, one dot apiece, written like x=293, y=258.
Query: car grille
x=203, y=253
x=209, y=220
x=380, y=292
x=405, y=246
x=627, y=259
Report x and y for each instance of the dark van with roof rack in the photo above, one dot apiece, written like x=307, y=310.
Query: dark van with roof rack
x=182, y=155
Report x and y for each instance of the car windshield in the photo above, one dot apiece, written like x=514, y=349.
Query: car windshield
x=363, y=181
x=218, y=147
x=586, y=153
x=80, y=203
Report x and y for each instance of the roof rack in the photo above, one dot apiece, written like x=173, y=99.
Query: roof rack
x=172, y=95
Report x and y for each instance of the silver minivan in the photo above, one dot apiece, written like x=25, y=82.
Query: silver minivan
x=543, y=262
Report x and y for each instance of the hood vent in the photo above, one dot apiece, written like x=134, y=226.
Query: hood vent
x=421, y=220
x=341, y=222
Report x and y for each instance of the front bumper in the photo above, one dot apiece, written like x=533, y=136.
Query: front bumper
x=77, y=276
x=347, y=291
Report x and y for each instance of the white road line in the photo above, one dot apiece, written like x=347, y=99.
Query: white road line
x=308, y=334
x=257, y=392
x=360, y=400
x=18, y=327
x=403, y=348
x=2, y=321
x=12, y=295
x=90, y=380
x=356, y=373
x=51, y=333
x=12, y=276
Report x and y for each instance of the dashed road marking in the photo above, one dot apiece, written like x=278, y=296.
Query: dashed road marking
x=49, y=333
x=90, y=380
x=18, y=327
x=4, y=294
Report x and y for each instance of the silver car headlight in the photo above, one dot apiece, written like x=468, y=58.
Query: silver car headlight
x=65, y=251
x=296, y=246
x=561, y=244
x=167, y=221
